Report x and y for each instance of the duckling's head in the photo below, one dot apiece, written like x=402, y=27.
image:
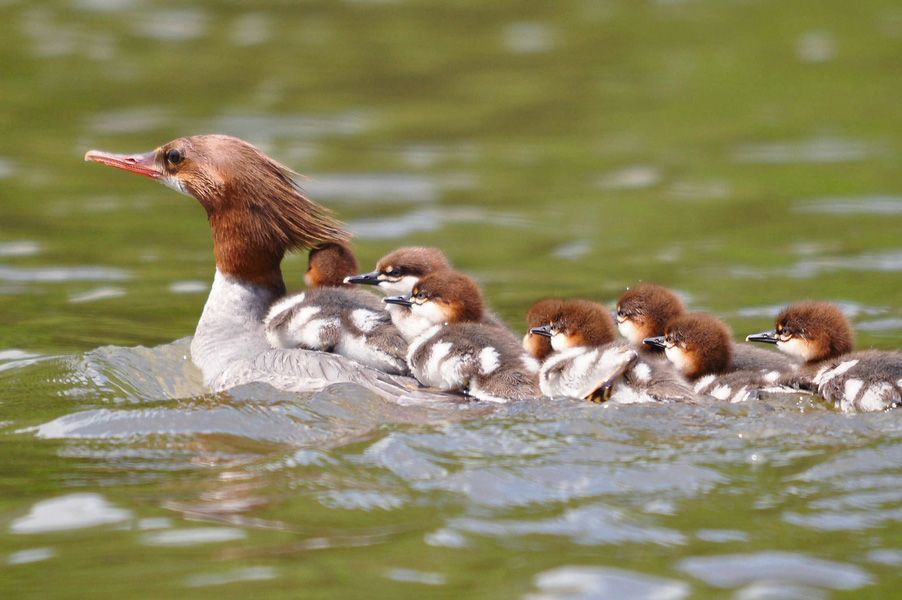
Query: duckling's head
x=542, y=313
x=398, y=271
x=812, y=331
x=447, y=297
x=579, y=323
x=645, y=309
x=697, y=344
x=329, y=264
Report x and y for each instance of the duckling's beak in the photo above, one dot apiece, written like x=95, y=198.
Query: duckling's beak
x=544, y=330
x=371, y=278
x=768, y=337
x=142, y=164
x=616, y=316
x=399, y=300
x=656, y=341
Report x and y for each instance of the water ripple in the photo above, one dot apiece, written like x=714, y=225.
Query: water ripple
x=19, y=248
x=814, y=150
x=373, y=187
x=590, y=525
x=865, y=205
x=74, y=511
x=62, y=274
x=733, y=570
x=581, y=582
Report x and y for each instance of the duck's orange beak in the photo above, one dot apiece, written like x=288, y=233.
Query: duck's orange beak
x=142, y=164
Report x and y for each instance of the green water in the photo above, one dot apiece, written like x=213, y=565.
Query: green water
x=745, y=153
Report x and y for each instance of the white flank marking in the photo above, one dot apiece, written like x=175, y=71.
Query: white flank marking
x=419, y=340
x=876, y=397
x=311, y=334
x=772, y=376
x=703, y=383
x=642, y=372
x=851, y=388
x=438, y=353
x=489, y=360
x=364, y=320
x=582, y=363
x=721, y=392
x=740, y=395
x=477, y=393
x=282, y=305
x=824, y=377
x=451, y=375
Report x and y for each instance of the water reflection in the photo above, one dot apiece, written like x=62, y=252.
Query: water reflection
x=31, y=555
x=20, y=248
x=232, y=576
x=429, y=219
x=372, y=187
x=73, y=511
x=172, y=25
x=61, y=274
x=815, y=150
x=101, y=293
x=573, y=582
x=865, y=205
x=192, y=537
x=733, y=570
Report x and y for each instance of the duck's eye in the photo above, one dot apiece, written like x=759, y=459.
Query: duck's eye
x=173, y=156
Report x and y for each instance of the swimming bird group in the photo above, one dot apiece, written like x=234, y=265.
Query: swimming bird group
x=432, y=332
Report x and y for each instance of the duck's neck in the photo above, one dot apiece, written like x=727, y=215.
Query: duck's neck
x=247, y=255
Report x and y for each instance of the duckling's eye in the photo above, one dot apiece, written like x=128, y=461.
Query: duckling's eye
x=420, y=294
x=173, y=156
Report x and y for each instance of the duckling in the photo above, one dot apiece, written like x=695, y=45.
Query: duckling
x=398, y=271
x=644, y=310
x=586, y=360
x=334, y=317
x=701, y=347
x=820, y=334
x=454, y=351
